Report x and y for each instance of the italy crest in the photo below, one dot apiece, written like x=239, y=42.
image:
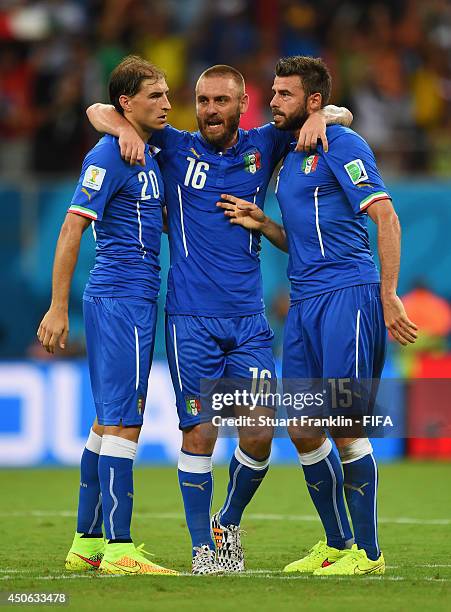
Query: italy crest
x=309, y=164
x=252, y=161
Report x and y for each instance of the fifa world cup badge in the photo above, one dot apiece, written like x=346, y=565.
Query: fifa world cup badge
x=93, y=177
x=356, y=171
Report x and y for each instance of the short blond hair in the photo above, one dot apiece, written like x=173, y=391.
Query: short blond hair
x=222, y=70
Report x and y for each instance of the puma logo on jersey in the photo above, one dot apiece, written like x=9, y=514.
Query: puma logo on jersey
x=86, y=192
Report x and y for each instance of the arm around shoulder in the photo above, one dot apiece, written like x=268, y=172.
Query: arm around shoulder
x=105, y=119
x=338, y=114
x=314, y=128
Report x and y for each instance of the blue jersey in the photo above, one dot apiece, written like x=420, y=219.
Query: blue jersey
x=323, y=199
x=215, y=267
x=125, y=204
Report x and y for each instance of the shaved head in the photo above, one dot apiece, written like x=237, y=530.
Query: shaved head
x=222, y=70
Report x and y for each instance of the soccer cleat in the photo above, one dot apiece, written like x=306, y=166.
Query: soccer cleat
x=204, y=561
x=128, y=559
x=85, y=554
x=353, y=562
x=321, y=555
x=229, y=551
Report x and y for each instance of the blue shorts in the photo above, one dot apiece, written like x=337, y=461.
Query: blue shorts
x=120, y=336
x=336, y=335
x=214, y=348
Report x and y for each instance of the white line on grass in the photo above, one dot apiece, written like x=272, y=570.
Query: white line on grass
x=434, y=565
x=310, y=518
x=255, y=574
x=95, y=573
x=245, y=573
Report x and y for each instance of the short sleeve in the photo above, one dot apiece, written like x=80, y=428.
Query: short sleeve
x=277, y=141
x=167, y=138
x=101, y=178
x=354, y=166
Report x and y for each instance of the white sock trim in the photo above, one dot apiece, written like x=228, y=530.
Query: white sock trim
x=317, y=455
x=94, y=442
x=197, y=464
x=114, y=446
x=249, y=462
x=356, y=450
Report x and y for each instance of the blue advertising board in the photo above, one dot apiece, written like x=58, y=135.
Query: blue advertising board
x=47, y=409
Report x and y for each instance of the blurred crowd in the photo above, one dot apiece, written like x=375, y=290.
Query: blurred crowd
x=390, y=60
x=431, y=313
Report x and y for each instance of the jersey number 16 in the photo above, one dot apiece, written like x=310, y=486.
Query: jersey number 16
x=198, y=177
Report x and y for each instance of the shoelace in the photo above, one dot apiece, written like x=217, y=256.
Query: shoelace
x=203, y=552
x=352, y=554
x=237, y=533
x=141, y=550
x=317, y=549
x=236, y=530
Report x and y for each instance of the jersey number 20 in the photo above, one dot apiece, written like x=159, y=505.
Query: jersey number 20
x=198, y=177
x=142, y=178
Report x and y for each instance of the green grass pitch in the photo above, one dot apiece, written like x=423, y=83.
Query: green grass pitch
x=37, y=521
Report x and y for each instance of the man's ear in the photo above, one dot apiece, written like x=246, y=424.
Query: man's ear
x=314, y=102
x=124, y=101
x=244, y=103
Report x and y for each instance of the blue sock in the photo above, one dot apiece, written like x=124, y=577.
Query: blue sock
x=116, y=481
x=246, y=475
x=360, y=482
x=196, y=484
x=89, y=520
x=324, y=478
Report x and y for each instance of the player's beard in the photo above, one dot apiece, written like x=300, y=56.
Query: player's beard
x=222, y=139
x=293, y=122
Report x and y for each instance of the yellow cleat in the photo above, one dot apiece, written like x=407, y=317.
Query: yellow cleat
x=353, y=562
x=126, y=559
x=85, y=554
x=319, y=556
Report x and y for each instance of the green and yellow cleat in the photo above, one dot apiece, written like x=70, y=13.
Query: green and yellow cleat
x=319, y=556
x=353, y=562
x=85, y=554
x=128, y=559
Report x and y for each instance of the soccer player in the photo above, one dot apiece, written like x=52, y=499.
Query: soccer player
x=215, y=325
x=124, y=205
x=340, y=308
